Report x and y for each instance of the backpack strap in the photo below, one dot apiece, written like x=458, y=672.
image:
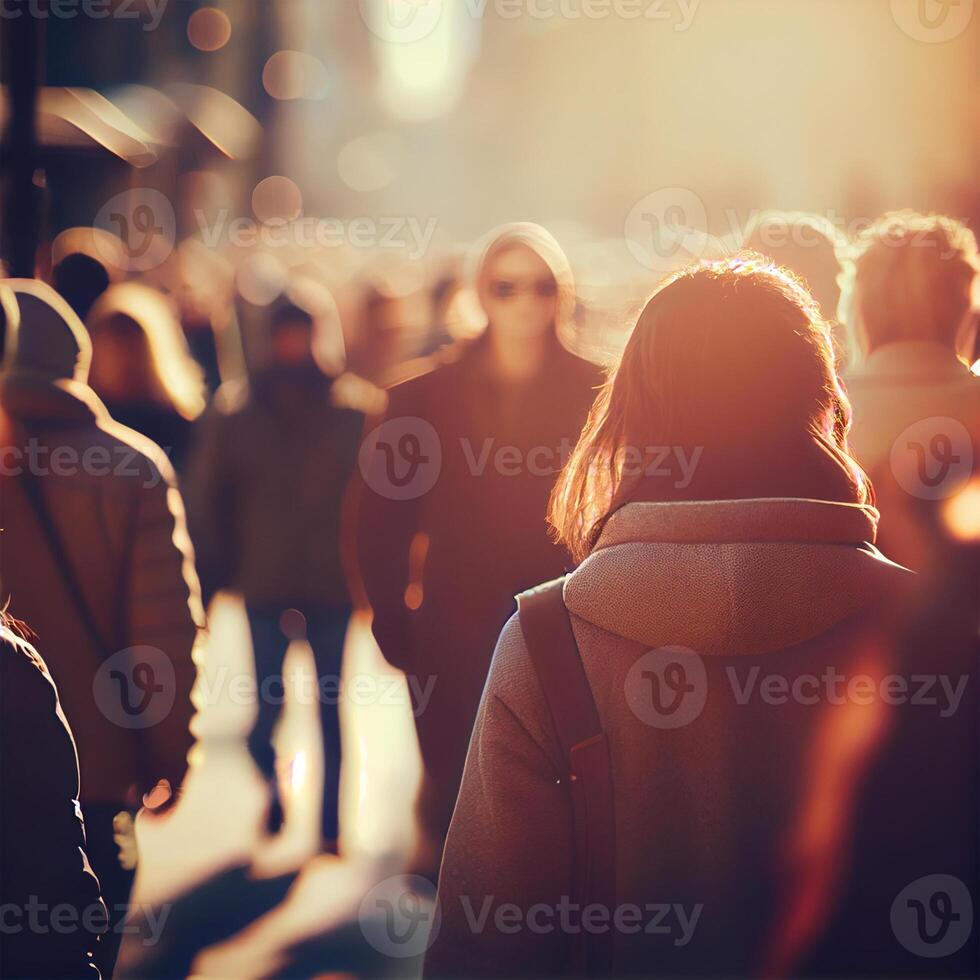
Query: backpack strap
x=555, y=655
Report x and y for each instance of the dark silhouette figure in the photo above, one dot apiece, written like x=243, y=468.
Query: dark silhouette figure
x=265, y=489
x=43, y=866
x=451, y=522
x=80, y=279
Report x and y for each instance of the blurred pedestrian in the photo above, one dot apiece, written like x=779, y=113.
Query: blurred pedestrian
x=95, y=556
x=491, y=420
x=813, y=248
x=80, y=280
x=142, y=368
x=916, y=403
x=266, y=485
x=705, y=817
x=43, y=867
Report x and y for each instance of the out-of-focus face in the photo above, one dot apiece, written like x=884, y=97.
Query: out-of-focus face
x=121, y=364
x=292, y=343
x=519, y=294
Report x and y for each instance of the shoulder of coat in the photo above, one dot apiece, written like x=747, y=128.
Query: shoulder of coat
x=150, y=460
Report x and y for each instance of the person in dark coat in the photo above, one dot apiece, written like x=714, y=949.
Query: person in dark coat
x=451, y=516
x=756, y=669
x=265, y=489
x=49, y=897
x=95, y=556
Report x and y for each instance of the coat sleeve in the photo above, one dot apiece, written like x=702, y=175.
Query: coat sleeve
x=163, y=611
x=42, y=839
x=384, y=531
x=507, y=866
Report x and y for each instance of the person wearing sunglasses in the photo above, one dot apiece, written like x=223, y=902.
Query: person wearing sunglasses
x=451, y=519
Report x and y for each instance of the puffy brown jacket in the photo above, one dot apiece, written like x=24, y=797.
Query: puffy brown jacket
x=111, y=495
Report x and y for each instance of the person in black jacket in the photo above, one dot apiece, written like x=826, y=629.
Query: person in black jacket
x=51, y=914
x=451, y=521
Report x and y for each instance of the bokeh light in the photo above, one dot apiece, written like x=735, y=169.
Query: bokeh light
x=277, y=197
x=367, y=162
x=295, y=75
x=209, y=29
x=261, y=279
x=962, y=513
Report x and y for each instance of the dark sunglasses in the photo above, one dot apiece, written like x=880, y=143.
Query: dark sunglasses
x=506, y=289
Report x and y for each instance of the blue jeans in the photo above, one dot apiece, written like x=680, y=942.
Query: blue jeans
x=326, y=629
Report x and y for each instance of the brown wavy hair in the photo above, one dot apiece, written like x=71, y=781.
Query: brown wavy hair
x=731, y=367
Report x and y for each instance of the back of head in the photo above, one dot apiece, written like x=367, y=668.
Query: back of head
x=81, y=280
x=912, y=279
x=143, y=323
x=809, y=245
x=51, y=342
x=732, y=362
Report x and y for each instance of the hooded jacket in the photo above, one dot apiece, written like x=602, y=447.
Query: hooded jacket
x=111, y=496
x=731, y=647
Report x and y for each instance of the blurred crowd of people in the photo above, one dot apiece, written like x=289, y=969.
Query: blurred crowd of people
x=788, y=434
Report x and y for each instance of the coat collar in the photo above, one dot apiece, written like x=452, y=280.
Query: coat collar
x=788, y=519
